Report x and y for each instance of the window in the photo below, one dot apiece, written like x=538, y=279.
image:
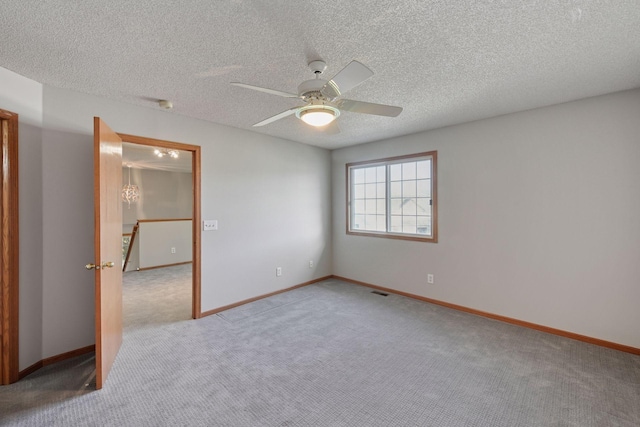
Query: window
x=394, y=197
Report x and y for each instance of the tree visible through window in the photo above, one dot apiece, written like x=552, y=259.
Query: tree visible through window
x=394, y=197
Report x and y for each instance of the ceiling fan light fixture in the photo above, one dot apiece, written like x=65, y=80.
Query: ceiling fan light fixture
x=317, y=115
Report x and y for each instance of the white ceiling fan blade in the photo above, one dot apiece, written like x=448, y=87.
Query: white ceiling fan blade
x=277, y=117
x=348, y=78
x=369, y=108
x=266, y=90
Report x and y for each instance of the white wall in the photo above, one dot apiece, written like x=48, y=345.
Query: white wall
x=269, y=195
x=164, y=195
x=272, y=201
x=24, y=97
x=538, y=218
x=156, y=239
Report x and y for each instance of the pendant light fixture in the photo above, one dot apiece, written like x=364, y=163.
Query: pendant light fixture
x=130, y=193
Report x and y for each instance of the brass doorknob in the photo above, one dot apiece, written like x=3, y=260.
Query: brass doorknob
x=108, y=264
x=92, y=266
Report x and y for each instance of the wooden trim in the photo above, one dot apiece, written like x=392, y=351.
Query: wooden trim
x=143, y=140
x=196, y=292
x=133, y=234
x=391, y=159
x=434, y=199
x=9, y=250
x=387, y=235
x=165, y=220
x=55, y=359
x=196, y=276
x=30, y=370
x=126, y=234
x=68, y=355
x=164, y=265
x=247, y=301
x=517, y=322
x=347, y=197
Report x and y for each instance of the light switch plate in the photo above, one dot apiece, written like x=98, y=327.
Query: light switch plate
x=210, y=224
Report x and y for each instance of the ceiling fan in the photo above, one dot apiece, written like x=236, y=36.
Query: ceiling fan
x=323, y=99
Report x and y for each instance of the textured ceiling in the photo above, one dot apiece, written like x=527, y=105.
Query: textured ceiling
x=445, y=62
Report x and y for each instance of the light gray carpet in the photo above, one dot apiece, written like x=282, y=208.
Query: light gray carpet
x=334, y=354
x=155, y=297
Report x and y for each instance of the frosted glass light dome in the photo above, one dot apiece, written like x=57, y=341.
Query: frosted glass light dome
x=318, y=115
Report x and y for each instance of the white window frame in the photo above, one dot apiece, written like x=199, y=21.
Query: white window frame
x=387, y=163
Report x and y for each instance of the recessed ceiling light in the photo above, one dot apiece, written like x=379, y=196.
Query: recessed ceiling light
x=161, y=152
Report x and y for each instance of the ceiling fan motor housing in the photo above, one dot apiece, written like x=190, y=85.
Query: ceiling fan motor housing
x=318, y=66
x=309, y=86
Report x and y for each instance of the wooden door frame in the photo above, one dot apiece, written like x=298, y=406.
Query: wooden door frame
x=196, y=310
x=9, y=266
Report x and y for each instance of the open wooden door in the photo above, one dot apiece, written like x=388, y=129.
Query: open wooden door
x=107, y=159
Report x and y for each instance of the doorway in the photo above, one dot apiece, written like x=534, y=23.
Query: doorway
x=108, y=191
x=9, y=248
x=156, y=239
x=195, y=208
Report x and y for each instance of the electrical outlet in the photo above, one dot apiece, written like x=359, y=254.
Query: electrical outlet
x=278, y=271
x=311, y=264
x=210, y=224
x=173, y=250
x=430, y=279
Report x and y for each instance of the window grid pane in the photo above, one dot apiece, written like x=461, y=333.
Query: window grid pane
x=413, y=209
x=395, y=197
x=368, y=198
x=395, y=172
x=409, y=207
x=396, y=206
